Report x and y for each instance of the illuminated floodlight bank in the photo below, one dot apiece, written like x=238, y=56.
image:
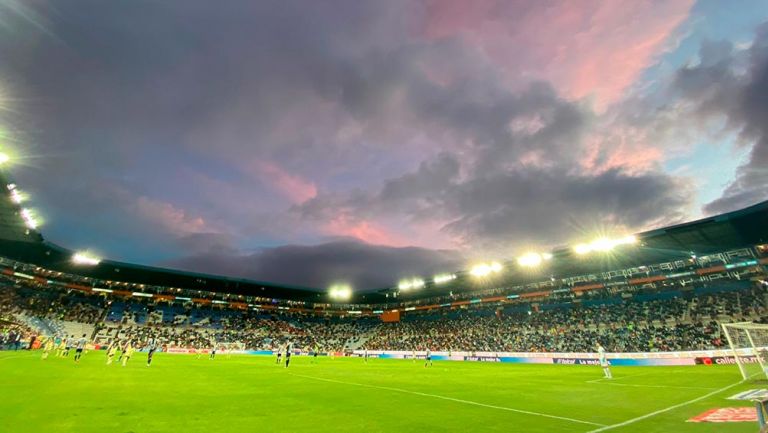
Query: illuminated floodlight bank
x=16, y=196
x=444, y=278
x=485, y=269
x=4, y=158
x=530, y=259
x=29, y=219
x=83, y=258
x=415, y=283
x=340, y=292
x=603, y=244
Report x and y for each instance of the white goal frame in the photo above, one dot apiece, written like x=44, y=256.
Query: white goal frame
x=748, y=347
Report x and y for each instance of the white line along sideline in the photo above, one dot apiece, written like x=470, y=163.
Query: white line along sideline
x=457, y=400
x=660, y=411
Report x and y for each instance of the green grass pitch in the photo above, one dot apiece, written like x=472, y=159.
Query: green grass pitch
x=180, y=393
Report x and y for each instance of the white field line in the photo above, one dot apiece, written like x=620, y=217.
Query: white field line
x=457, y=400
x=655, y=386
x=660, y=411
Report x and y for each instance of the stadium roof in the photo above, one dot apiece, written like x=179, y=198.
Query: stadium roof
x=738, y=229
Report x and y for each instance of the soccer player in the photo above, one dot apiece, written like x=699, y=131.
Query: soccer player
x=127, y=352
x=151, y=347
x=47, y=347
x=68, y=345
x=279, y=354
x=79, y=347
x=213, y=351
x=288, y=348
x=315, y=351
x=59, y=343
x=365, y=354
x=604, y=362
x=413, y=356
x=428, y=359
x=111, y=352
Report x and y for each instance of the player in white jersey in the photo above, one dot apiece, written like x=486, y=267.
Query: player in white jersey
x=212, y=354
x=151, y=346
x=79, y=347
x=428, y=359
x=604, y=361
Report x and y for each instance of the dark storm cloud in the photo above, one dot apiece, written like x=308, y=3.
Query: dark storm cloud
x=517, y=183
x=362, y=265
x=169, y=129
x=734, y=84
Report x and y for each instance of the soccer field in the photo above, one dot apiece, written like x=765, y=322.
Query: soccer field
x=250, y=393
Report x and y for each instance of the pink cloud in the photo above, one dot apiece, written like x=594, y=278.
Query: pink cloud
x=585, y=48
x=295, y=188
x=364, y=230
x=170, y=217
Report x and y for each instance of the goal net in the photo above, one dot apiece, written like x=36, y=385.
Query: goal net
x=749, y=344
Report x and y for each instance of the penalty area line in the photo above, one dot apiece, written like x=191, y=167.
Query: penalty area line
x=667, y=409
x=457, y=400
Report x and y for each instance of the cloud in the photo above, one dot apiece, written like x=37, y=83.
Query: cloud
x=362, y=265
x=586, y=48
x=296, y=188
x=444, y=125
x=729, y=84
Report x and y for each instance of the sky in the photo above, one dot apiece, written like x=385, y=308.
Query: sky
x=365, y=141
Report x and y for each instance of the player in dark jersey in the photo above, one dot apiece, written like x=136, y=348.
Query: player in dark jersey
x=288, y=349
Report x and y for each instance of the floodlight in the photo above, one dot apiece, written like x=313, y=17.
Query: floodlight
x=496, y=267
x=83, y=258
x=602, y=244
x=16, y=196
x=415, y=283
x=341, y=292
x=29, y=219
x=480, y=270
x=440, y=279
x=530, y=259
x=582, y=249
x=4, y=158
x=546, y=256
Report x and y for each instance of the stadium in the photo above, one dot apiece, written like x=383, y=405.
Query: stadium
x=375, y=216
x=497, y=340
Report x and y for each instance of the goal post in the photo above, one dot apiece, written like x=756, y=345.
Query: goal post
x=749, y=344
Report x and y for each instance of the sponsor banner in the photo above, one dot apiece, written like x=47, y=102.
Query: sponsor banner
x=526, y=360
x=482, y=358
x=725, y=360
x=752, y=394
x=727, y=414
x=647, y=362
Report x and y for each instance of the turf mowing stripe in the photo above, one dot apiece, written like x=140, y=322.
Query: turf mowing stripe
x=660, y=411
x=458, y=400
